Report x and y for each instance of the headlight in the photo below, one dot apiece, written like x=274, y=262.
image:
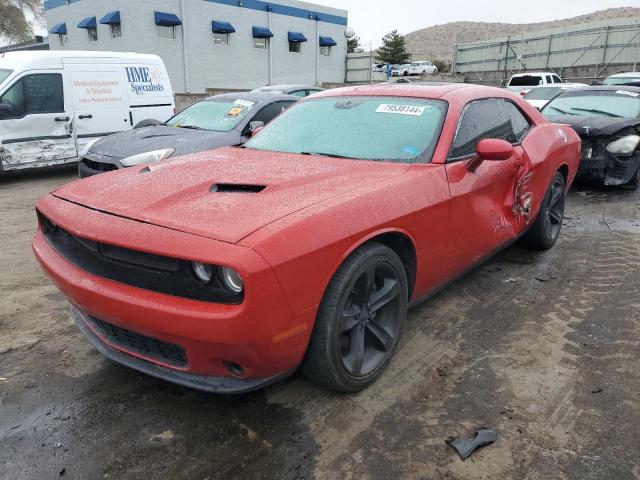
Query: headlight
x=202, y=272
x=88, y=146
x=624, y=146
x=147, y=157
x=232, y=280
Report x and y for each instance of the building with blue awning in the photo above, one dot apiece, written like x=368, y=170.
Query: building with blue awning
x=212, y=44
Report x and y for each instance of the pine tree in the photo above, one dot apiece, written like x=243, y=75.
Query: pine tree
x=393, y=50
x=353, y=44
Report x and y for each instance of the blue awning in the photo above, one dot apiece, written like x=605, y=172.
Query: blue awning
x=222, y=27
x=111, y=18
x=262, y=32
x=327, y=42
x=59, y=29
x=89, y=22
x=166, y=19
x=297, y=37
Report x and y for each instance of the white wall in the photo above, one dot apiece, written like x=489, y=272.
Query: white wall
x=238, y=65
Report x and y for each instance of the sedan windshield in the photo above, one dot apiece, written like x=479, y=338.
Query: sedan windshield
x=218, y=116
x=4, y=74
x=602, y=103
x=391, y=129
x=543, y=93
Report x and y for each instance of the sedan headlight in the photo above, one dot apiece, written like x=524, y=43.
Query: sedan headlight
x=624, y=146
x=147, y=157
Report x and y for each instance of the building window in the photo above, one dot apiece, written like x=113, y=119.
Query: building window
x=294, y=47
x=93, y=34
x=221, y=38
x=116, y=30
x=326, y=51
x=167, y=32
x=260, y=43
x=63, y=38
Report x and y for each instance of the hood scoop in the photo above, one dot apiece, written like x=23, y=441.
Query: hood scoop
x=236, y=188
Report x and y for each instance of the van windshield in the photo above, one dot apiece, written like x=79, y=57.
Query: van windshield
x=219, y=116
x=4, y=74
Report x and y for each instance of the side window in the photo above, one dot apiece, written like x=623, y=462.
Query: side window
x=299, y=93
x=489, y=118
x=519, y=122
x=38, y=93
x=556, y=79
x=549, y=79
x=270, y=112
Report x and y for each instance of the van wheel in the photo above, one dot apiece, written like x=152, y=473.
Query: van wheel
x=149, y=122
x=359, y=321
x=546, y=229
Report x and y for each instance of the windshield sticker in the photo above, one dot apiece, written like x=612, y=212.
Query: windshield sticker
x=401, y=109
x=244, y=103
x=624, y=92
x=235, y=111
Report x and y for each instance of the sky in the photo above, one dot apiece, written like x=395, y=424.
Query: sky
x=371, y=19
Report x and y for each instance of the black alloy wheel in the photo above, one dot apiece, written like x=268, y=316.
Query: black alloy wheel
x=544, y=232
x=359, y=321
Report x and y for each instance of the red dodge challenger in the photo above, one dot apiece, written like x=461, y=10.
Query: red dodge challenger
x=229, y=269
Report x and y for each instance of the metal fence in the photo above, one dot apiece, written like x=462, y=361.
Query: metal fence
x=582, y=51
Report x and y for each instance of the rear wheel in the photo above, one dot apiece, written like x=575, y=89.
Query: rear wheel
x=546, y=229
x=359, y=321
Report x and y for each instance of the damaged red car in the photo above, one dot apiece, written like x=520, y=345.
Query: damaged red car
x=229, y=269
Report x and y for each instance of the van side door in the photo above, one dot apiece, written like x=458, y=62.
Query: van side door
x=98, y=100
x=36, y=122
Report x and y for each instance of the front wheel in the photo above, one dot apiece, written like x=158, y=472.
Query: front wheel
x=359, y=321
x=546, y=229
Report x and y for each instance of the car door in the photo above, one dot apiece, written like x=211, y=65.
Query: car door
x=482, y=215
x=36, y=122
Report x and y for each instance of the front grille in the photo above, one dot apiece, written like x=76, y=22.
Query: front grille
x=99, y=166
x=146, y=346
x=158, y=273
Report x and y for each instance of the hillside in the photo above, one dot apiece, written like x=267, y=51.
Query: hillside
x=437, y=42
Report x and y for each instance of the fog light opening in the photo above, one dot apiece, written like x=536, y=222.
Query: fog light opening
x=233, y=368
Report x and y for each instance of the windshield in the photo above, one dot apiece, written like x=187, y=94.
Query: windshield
x=219, y=116
x=616, y=80
x=368, y=128
x=4, y=74
x=525, y=81
x=612, y=103
x=543, y=93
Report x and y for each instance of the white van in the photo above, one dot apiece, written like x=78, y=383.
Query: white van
x=54, y=103
x=523, y=82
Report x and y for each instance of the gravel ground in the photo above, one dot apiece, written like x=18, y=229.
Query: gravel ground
x=543, y=347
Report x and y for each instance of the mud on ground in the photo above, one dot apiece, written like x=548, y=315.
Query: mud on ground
x=543, y=347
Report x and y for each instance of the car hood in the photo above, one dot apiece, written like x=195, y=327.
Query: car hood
x=147, y=139
x=594, y=126
x=225, y=194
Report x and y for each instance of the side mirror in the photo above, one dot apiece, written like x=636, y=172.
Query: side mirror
x=494, y=149
x=255, y=127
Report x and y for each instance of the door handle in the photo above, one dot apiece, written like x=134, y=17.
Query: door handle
x=61, y=119
x=81, y=117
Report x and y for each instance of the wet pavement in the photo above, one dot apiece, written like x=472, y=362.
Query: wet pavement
x=542, y=347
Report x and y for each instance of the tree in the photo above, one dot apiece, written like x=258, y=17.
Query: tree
x=393, y=49
x=15, y=16
x=353, y=44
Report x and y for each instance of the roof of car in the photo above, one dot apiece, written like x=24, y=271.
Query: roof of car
x=561, y=85
x=53, y=58
x=287, y=87
x=605, y=88
x=405, y=90
x=255, y=97
x=625, y=74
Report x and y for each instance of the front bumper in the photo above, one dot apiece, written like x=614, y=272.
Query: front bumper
x=610, y=169
x=88, y=167
x=262, y=334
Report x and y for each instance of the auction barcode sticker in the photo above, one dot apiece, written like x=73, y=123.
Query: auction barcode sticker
x=401, y=109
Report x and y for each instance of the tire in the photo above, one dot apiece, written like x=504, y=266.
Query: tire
x=350, y=345
x=545, y=231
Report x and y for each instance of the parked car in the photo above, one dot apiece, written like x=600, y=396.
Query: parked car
x=297, y=90
x=540, y=96
x=401, y=70
x=523, y=82
x=228, y=269
x=623, y=78
x=379, y=67
x=422, y=68
x=218, y=121
x=607, y=118
x=53, y=103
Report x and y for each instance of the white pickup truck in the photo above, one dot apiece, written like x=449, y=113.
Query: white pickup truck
x=523, y=82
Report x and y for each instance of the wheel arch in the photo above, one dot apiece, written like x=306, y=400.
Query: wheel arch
x=397, y=239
